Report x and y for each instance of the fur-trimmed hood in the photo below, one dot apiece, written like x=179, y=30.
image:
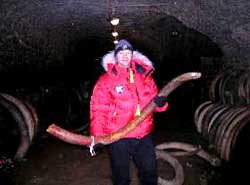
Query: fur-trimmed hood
x=109, y=58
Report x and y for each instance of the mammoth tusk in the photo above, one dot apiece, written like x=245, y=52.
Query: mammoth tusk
x=122, y=132
x=190, y=149
x=14, y=109
x=179, y=172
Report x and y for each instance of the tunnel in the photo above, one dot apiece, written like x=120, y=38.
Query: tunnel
x=50, y=61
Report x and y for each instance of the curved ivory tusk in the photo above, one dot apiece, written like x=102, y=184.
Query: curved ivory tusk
x=28, y=119
x=34, y=117
x=212, y=159
x=18, y=116
x=179, y=172
x=85, y=140
x=68, y=136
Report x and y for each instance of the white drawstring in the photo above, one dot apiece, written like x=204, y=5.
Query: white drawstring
x=91, y=147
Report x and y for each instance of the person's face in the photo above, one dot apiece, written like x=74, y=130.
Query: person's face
x=124, y=57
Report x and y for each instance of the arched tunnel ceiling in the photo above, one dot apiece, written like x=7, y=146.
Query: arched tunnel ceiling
x=37, y=35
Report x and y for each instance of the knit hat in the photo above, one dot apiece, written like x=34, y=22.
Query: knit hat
x=122, y=45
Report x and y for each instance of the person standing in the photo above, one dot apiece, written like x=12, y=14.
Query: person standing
x=118, y=96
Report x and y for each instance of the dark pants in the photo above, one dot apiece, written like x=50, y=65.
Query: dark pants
x=142, y=152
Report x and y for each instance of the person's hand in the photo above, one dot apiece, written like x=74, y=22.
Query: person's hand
x=160, y=101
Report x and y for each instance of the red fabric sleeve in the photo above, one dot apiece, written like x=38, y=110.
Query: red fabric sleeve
x=99, y=107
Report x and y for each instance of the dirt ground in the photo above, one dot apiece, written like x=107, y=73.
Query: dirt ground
x=54, y=162
x=51, y=161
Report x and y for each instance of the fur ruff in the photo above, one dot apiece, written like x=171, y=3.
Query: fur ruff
x=109, y=58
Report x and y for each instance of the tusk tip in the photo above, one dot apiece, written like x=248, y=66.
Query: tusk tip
x=195, y=74
x=51, y=127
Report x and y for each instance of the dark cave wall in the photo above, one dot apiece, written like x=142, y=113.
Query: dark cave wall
x=37, y=34
x=49, y=46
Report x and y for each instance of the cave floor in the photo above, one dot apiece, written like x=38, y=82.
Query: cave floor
x=54, y=162
x=51, y=161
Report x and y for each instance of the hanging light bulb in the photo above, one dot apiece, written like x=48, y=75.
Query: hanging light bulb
x=114, y=33
x=114, y=21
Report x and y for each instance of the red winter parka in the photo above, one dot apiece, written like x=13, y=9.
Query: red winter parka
x=120, y=94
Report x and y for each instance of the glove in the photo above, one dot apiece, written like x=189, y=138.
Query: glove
x=160, y=101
